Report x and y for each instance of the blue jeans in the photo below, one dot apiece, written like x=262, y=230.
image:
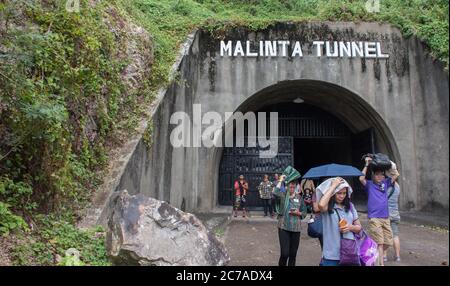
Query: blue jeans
x=328, y=262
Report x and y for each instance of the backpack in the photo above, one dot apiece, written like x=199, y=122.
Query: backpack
x=315, y=228
x=281, y=205
x=379, y=161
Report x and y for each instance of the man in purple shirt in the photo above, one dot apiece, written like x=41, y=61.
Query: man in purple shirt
x=377, y=208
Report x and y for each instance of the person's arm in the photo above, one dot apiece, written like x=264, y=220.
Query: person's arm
x=394, y=178
x=314, y=202
x=323, y=203
x=316, y=207
x=355, y=227
x=362, y=179
x=276, y=189
x=303, y=210
x=245, y=187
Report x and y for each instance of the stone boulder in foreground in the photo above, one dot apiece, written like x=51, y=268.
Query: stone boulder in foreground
x=146, y=231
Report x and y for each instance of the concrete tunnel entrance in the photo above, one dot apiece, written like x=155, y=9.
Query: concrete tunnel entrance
x=396, y=105
x=318, y=123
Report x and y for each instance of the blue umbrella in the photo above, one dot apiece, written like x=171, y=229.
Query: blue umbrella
x=333, y=170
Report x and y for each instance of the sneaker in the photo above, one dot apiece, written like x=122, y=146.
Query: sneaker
x=385, y=259
x=397, y=259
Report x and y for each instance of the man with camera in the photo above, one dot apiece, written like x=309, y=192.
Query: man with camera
x=377, y=206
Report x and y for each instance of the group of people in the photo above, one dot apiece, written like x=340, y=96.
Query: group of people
x=266, y=194
x=330, y=203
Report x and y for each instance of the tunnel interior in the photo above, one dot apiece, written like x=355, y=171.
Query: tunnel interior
x=310, y=134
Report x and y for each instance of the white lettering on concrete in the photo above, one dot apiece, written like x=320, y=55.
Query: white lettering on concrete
x=333, y=49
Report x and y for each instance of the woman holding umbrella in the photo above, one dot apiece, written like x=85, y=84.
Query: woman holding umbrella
x=323, y=173
x=291, y=210
x=339, y=218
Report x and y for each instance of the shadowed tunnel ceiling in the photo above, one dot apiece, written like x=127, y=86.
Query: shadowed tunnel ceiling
x=340, y=102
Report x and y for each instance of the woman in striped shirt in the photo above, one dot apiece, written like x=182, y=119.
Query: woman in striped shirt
x=291, y=211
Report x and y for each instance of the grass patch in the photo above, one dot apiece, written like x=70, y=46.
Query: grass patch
x=49, y=243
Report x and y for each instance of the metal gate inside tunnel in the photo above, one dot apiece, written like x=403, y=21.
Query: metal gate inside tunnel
x=308, y=137
x=245, y=161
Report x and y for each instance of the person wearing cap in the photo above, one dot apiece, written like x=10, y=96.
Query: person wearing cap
x=339, y=217
x=379, y=227
x=394, y=214
x=241, y=189
x=291, y=210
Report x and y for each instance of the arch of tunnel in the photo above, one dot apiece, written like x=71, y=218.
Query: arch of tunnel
x=396, y=105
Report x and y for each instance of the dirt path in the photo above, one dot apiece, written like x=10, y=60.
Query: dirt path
x=255, y=242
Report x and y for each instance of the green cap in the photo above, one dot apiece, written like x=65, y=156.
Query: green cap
x=291, y=174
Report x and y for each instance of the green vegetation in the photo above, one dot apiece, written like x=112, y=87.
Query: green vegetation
x=60, y=104
x=51, y=241
x=16, y=199
x=220, y=233
x=63, y=104
x=9, y=221
x=169, y=21
x=58, y=75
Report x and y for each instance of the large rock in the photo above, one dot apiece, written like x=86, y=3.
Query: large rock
x=146, y=231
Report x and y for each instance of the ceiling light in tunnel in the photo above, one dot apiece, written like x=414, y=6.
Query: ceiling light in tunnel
x=298, y=100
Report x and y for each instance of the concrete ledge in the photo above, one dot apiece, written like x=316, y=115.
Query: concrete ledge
x=437, y=219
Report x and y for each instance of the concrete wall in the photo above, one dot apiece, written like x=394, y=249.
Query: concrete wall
x=404, y=97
